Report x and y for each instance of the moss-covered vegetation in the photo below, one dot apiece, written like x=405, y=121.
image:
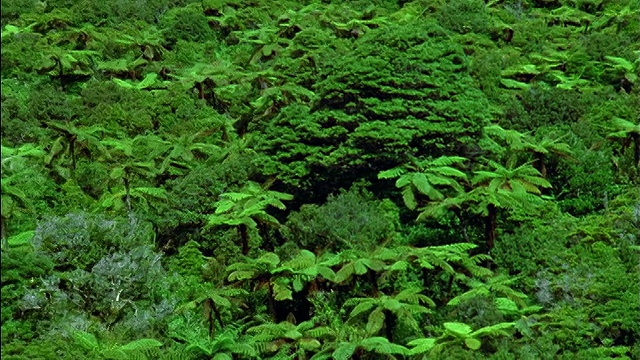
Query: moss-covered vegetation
x=249, y=179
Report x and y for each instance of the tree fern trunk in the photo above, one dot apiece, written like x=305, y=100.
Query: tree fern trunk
x=3, y=233
x=200, y=89
x=127, y=191
x=244, y=237
x=72, y=152
x=389, y=324
x=491, y=225
x=636, y=151
x=463, y=224
x=540, y=165
x=271, y=305
x=373, y=280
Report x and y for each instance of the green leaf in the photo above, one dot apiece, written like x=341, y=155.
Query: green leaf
x=158, y=193
x=473, y=344
x=421, y=346
x=344, y=351
x=298, y=285
x=87, y=340
x=24, y=238
x=234, y=196
x=141, y=345
x=148, y=80
x=124, y=84
x=391, y=173
x=409, y=198
x=359, y=267
x=117, y=173
x=458, y=329
x=281, y=291
x=376, y=321
x=422, y=184
x=269, y=258
x=513, y=84
x=344, y=273
x=309, y=344
x=496, y=329
x=241, y=275
x=403, y=181
x=621, y=62
x=223, y=206
x=506, y=305
x=361, y=308
x=222, y=356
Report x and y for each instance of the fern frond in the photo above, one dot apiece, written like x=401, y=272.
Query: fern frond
x=87, y=340
x=391, y=173
x=447, y=161
x=141, y=345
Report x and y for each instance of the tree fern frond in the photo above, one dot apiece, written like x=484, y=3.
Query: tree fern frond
x=362, y=307
x=447, y=161
x=87, y=340
x=344, y=351
x=493, y=330
x=141, y=345
x=321, y=332
x=421, y=346
x=391, y=173
x=382, y=345
x=234, y=196
x=409, y=198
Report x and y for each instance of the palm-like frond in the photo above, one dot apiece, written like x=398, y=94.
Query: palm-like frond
x=623, y=128
x=423, y=177
x=498, y=285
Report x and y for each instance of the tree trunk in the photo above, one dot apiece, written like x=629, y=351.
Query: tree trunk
x=458, y=214
x=636, y=151
x=3, y=232
x=271, y=304
x=389, y=324
x=540, y=165
x=375, y=291
x=200, y=88
x=491, y=225
x=127, y=191
x=244, y=237
x=72, y=152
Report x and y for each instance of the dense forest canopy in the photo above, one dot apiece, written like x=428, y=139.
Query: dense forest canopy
x=320, y=179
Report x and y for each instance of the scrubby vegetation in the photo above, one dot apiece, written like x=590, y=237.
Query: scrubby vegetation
x=300, y=179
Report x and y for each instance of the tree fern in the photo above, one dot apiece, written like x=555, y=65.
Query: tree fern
x=457, y=333
x=133, y=349
x=405, y=306
x=493, y=286
x=422, y=177
x=246, y=209
x=287, y=338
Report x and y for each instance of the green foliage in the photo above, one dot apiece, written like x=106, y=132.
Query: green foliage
x=347, y=220
x=222, y=345
x=93, y=236
x=186, y=23
x=423, y=177
x=376, y=109
x=197, y=119
x=20, y=268
x=247, y=210
x=406, y=306
x=90, y=343
x=287, y=339
x=456, y=332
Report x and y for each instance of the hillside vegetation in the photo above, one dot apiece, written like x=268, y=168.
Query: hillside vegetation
x=252, y=179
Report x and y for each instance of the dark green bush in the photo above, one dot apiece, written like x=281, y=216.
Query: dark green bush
x=349, y=220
